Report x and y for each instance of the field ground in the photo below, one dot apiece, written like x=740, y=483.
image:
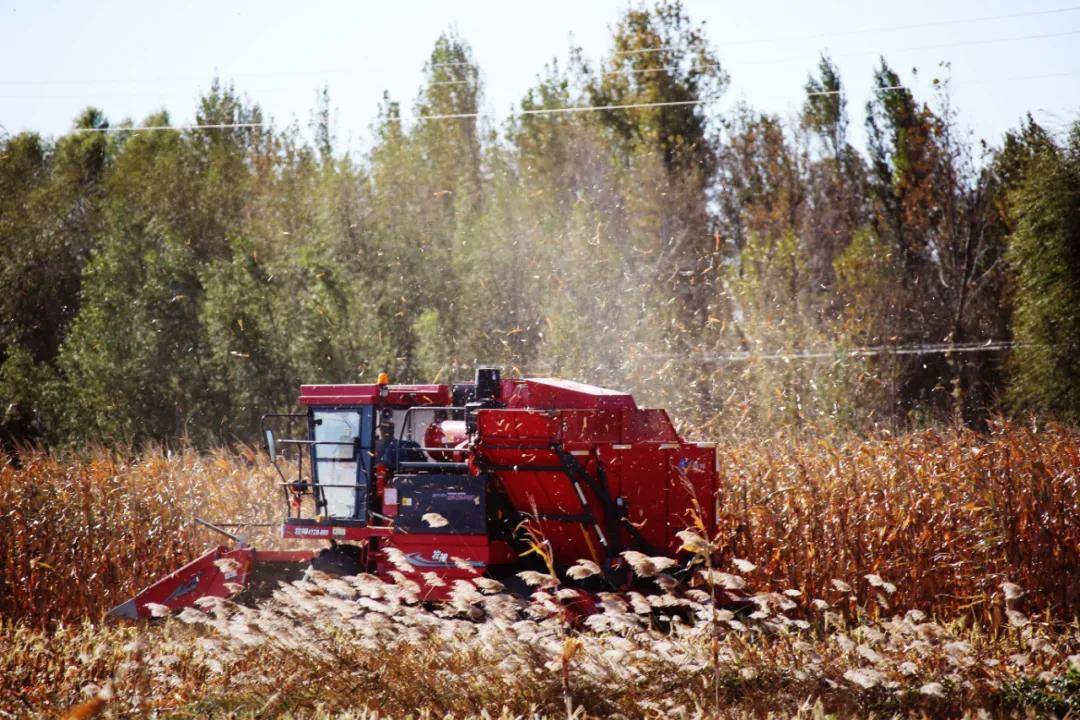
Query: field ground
x=934, y=573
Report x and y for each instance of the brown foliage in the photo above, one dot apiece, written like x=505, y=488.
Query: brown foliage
x=945, y=516
x=79, y=536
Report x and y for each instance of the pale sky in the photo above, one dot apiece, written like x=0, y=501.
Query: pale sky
x=132, y=58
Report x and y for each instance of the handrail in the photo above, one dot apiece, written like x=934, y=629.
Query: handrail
x=325, y=485
x=401, y=436
x=239, y=540
x=442, y=449
x=431, y=465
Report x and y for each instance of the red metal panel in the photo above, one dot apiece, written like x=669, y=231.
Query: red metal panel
x=283, y=556
x=547, y=492
x=516, y=425
x=403, y=395
x=648, y=426
x=585, y=428
x=573, y=541
x=552, y=394
x=437, y=554
x=692, y=473
x=205, y=576
x=643, y=481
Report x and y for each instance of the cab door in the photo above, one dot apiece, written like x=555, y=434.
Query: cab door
x=341, y=458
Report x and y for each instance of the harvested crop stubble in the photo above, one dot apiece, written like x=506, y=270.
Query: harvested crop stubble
x=324, y=646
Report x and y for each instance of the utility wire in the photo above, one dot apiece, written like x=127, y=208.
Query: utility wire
x=997, y=82
x=916, y=48
x=588, y=108
x=840, y=92
x=149, y=128
x=880, y=29
x=661, y=48
x=873, y=351
x=669, y=68
x=594, y=108
x=536, y=111
x=540, y=111
x=564, y=110
x=952, y=83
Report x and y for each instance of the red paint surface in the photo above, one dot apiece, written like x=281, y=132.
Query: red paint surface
x=398, y=395
x=203, y=577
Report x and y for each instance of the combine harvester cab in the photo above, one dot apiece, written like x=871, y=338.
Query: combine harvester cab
x=440, y=479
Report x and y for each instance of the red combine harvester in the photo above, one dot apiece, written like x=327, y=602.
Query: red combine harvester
x=447, y=474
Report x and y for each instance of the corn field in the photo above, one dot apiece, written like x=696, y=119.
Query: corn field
x=945, y=516
x=79, y=535
x=934, y=573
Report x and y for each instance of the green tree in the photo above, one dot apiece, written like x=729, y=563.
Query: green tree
x=51, y=197
x=835, y=180
x=662, y=59
x=135, y=363
x=1044, y=252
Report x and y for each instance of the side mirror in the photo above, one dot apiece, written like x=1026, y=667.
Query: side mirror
x=271, y=444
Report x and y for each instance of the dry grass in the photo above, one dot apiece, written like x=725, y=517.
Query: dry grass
x=944, y=516
x=82, y=534
x=893, y=554
x=345, y=647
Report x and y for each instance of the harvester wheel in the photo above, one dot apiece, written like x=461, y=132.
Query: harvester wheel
x=338, y=560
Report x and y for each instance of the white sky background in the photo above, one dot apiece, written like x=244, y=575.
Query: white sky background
x=133, y=58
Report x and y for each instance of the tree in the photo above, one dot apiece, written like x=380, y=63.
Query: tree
x=663, y=61
x=937, y=214
x=835, y=178
x=1044, y=252
x=148, y=375
x=51, y=197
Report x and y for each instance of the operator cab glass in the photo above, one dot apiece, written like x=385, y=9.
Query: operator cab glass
x=341, y=460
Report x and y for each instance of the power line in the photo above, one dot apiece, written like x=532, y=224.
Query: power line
x=840, y=92
x=591, y=108
x=880, y=29
x=670, y=68
x=538, y=111
x=915, y=48
x=542, y=111
x=775, y=61
x=937, y=23
x=837, y=354
x=996, y=82
x=564, y=110
x=450, y=116
x=159, y=79
x=152, y=128
x=588, y=108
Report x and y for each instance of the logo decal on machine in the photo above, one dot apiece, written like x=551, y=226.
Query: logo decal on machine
x=185, y=588
x=439, y=558
x=312, y=532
